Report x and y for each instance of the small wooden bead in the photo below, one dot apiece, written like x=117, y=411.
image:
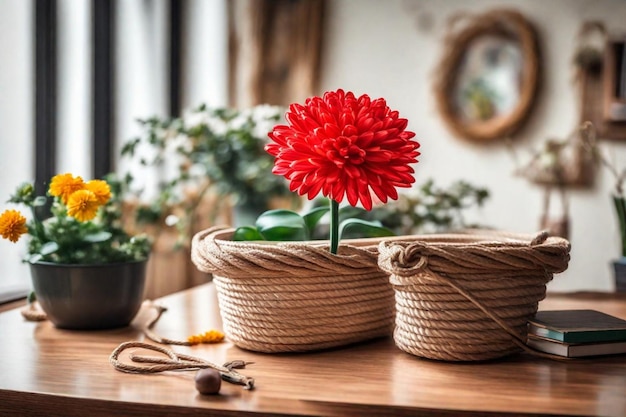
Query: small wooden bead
x=208, y=381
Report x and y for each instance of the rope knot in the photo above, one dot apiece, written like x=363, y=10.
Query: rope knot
x=401, y=260
x=540, y=238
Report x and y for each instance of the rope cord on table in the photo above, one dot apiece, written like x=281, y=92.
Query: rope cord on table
x=32, y=313
x=150, y=334
x=176, y=362
x=211, y=336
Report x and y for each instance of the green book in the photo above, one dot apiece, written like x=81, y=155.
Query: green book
x=577, y=326
x=576, y=350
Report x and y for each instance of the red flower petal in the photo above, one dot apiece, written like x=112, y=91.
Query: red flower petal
x=343, y=146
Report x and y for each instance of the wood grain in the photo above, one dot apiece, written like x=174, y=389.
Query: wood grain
x=47, y=371
x=13, y=304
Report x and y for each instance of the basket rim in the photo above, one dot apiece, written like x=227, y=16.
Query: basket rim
x=467, y=237
x=225, y=235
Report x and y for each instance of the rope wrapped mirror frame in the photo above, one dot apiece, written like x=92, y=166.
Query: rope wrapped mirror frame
x=454, y=76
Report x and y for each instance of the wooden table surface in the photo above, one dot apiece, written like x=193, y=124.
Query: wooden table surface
x=47, y=371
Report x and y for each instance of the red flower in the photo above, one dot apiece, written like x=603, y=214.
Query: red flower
x=342, y=145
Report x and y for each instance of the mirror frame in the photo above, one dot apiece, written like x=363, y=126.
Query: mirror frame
x=505, y=23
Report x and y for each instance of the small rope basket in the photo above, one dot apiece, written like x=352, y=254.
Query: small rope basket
x=296, y=296
x=469, y=297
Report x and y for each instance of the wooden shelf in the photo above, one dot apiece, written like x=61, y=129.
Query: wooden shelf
x=602, y=102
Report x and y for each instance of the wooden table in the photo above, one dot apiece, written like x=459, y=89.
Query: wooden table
x=47, y=371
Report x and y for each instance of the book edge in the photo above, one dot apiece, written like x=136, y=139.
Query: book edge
x=574, y=350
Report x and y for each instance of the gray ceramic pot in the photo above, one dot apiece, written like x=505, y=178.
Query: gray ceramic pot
x=88, y=297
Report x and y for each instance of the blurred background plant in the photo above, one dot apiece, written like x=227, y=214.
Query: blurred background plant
x=216, y=152
x=425, y=209
x=590, y=141
x=433, y=209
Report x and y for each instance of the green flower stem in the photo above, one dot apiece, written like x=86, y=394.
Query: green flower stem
x=620, y=208
x=39, y=229
x=334, y=226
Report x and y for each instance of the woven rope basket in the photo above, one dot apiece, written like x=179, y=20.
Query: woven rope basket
x=296, y=296
x=469, y=297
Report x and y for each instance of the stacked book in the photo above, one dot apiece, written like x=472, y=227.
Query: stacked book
x=577, y=333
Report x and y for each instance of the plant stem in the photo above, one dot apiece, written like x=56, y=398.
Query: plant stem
x=620, y=208
x=334, y=226
x=39, y=229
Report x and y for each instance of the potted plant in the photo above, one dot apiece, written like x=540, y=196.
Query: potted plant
x=589, y=140
x=307, y=295
x=87, y=271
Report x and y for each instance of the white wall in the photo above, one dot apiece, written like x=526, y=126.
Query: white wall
x=392, y=51
x=16, y=139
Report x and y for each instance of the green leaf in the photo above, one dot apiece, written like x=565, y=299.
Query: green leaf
x=357, y=228
x=34, y=258
x=281, y=224
x=313, y=217
x=244, y=233
x=98, y=237
x=39, y=201
x=48, y=248
x=349, y=212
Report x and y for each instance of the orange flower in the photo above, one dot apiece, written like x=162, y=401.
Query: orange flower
x=210, y=336
x=343, y=146
x=12, y=225
x=101, y=189
x=83, y=205
x=64, y=185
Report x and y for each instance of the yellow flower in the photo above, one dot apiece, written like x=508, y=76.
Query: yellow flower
x=12, y=225
x=64, y=185
x=211, y=336
x=83, y=205
x=101, y=189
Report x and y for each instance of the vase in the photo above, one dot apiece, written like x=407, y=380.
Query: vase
x=89, y=297
x=296, y=296
x=619, y=268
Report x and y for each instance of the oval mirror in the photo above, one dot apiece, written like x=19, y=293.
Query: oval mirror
x=488, y=76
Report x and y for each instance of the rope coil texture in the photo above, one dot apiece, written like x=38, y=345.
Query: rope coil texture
x=295, y=296
x=468, y=297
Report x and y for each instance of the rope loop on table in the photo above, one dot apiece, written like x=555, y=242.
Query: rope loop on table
x=174, y=362
x=32, y=312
